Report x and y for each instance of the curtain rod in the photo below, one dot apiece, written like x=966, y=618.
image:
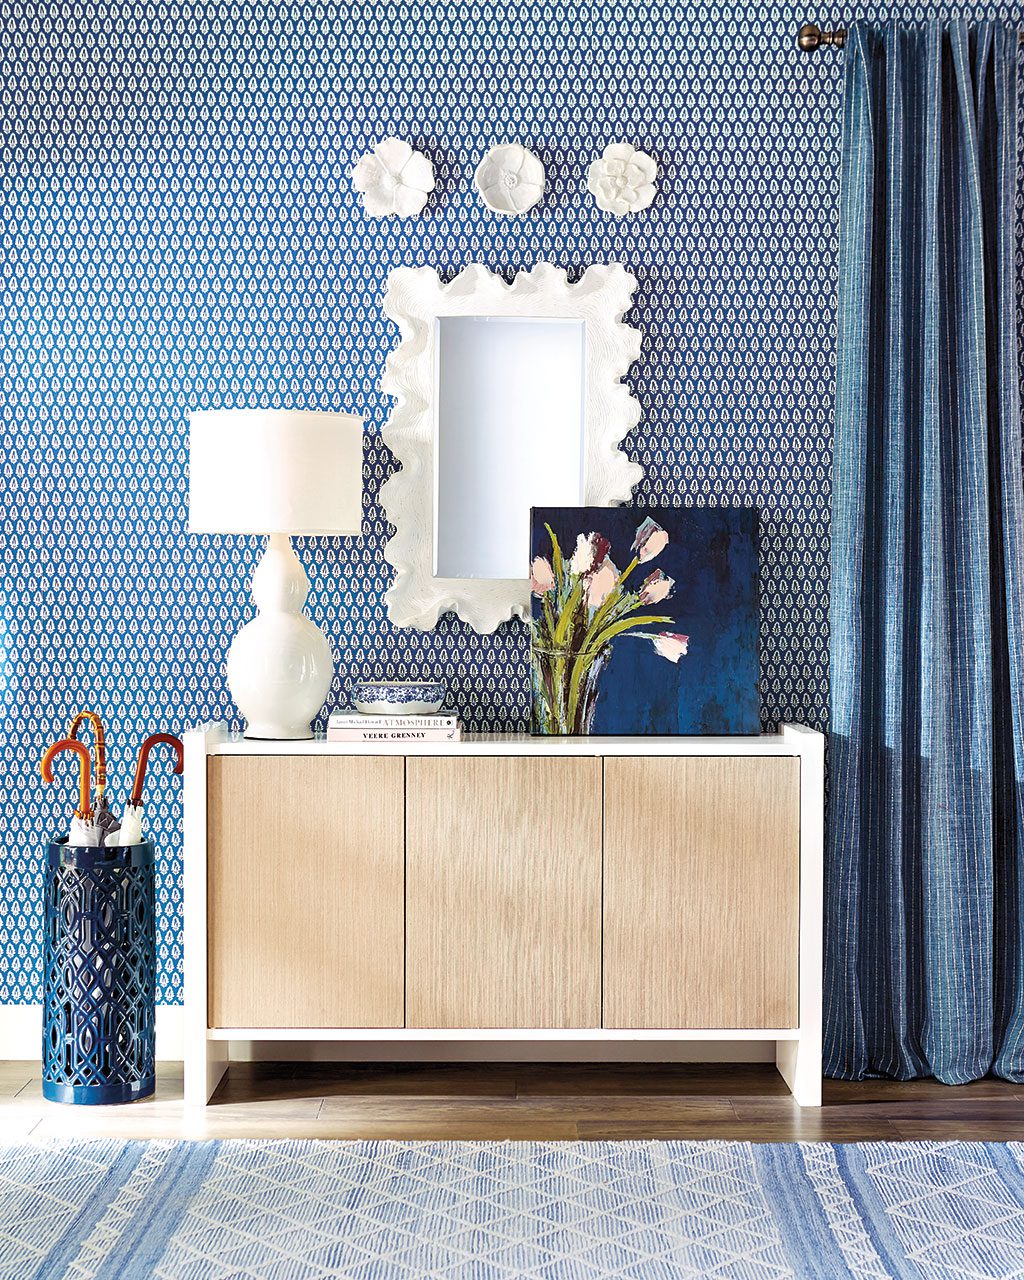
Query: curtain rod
x=811, y=38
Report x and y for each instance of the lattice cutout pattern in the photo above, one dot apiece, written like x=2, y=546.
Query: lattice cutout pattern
x=99, y=976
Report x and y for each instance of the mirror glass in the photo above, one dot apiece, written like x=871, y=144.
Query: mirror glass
x=509, y=435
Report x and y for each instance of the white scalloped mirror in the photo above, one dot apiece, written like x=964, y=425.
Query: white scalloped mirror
x=508, y=396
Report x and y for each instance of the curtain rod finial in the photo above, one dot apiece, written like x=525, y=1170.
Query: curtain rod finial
x=810, y=38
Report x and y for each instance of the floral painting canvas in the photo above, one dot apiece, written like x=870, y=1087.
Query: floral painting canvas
x=644, y=620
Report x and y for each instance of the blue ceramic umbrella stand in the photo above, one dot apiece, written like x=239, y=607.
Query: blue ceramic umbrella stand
x=99, y=974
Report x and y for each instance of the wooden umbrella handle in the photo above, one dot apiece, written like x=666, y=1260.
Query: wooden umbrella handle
x=92, y=717
x=140, y=769
x=80, y=750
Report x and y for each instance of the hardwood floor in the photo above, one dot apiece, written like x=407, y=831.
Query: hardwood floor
x=484, y=1101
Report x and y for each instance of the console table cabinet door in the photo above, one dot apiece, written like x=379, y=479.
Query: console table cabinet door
x=305, y=884
x=503, y=892
x=701, y=910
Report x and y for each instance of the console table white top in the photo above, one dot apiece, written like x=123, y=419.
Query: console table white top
x=791, y=740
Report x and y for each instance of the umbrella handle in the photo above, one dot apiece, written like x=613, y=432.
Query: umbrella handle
x=140, y=769
x=92, y=717
x=80, y=750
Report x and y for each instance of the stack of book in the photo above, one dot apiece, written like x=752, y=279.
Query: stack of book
x=350, y=726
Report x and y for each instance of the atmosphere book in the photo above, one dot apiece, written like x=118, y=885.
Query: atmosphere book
x=349, y=726
x=353, y=720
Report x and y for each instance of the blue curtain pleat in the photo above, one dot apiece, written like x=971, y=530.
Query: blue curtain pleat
x=1006, y=499
x=924, y=932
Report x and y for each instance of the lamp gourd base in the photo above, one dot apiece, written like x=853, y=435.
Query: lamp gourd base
x=280, y=664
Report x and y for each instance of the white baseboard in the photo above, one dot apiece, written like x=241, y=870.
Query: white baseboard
x=21, y=1029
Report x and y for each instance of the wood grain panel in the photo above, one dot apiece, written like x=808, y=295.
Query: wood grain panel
x=306, y=887
x=504, y=892
x=701, y=908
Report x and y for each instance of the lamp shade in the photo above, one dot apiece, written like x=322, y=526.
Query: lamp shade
x=275, y=471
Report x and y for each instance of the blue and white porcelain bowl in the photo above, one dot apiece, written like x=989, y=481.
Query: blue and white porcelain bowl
x=397, y=697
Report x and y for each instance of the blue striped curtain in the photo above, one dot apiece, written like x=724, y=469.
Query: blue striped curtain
x=925, y=901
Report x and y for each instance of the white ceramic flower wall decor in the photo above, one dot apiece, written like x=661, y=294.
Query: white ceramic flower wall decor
x=510, y=179
x=622, y=180
x=394, y=180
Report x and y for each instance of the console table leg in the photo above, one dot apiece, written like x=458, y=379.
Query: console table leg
x=205, y=1065
x=799, y=1064
x=205, y=1060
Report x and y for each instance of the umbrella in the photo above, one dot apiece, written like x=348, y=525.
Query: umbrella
x=105, y=820
x=84, y=832
x=131, y=822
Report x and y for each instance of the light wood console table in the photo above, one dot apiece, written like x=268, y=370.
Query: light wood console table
x=504, y=888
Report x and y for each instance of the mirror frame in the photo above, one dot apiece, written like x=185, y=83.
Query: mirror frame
x=415, y=299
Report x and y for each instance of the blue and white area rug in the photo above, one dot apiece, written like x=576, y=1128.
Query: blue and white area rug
x=491, y=1211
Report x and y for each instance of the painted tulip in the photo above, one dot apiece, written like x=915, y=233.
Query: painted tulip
x=542, y=577
x=601, y=585
x=657, y=587
x=669, y=645
x=591, y=549
x=651, y=539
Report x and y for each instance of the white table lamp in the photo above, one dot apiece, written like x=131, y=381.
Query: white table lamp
x=278, y=472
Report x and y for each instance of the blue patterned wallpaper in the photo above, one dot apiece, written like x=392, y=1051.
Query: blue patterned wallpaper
x=180, y=230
